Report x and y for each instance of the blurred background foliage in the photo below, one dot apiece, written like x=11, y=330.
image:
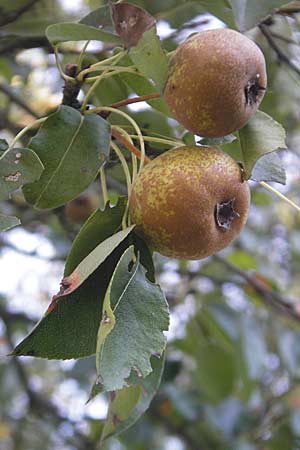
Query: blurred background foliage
x=232, y=372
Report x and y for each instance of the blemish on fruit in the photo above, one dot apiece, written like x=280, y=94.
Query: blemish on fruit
x=225, y=214
x=252, y=90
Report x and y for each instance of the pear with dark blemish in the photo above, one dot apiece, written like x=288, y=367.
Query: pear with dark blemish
x=217, y=79
x=190, y=202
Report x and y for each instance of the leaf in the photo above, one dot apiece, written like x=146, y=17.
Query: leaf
x=254, y=347
x=90, y=263
x=150, y=59
x=18, y=166
x=99, y=18
x=3, y=145
x=72, y=148
x=71, y=31
x=129, y=403
x=70, y=329
x=261, y=135
x=132, y=303
x=218, y=141
x=216, y=372
x=248, y=13
x=221, y=9
x=142, y=86
x=131, y=22
x=269, y=168
x=7, y=222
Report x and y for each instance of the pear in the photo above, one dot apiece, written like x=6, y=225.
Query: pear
x=190, y=202
x=217, y=79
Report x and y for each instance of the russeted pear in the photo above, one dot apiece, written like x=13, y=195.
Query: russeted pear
x=190, y=202
x=217, y=79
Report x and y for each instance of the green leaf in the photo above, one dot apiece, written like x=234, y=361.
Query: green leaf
x=71, y=31
x=216, y=372
x=7, y=222
x=218, y=141
x=72, y=148
x=18, y=166
x=132, y=303
x=248, y=13
x=69, y=329
x=243, y=260
x=100, y=17
x=3, y=145
x=150, y=59
x=261, y=135
x=142, y=86
x=221, y=9
x=269, y=168
x=129, y=403
x=90, y=263
x=254, y=347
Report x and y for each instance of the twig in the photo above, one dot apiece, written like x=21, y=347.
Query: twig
x=72, y=87
x=280, y=54
x=268, y=295
x=128, y=145
x=9, y=44
x=15, y=98
x=13, y=317
x=34, y=253
x=129, y=101
x=11, y=16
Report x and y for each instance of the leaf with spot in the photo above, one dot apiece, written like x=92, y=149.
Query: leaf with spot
x=128, y=404
x=8, y=222
x=18, y=167
x=70, y=329
x=135, y=314
x=90, y=263
x=131, y=22
x=72, y=148
x=261, y=136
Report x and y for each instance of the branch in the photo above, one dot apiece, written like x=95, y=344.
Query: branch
x=39, y=403
x=11, y=16
x=33, y=253
x=10, y=43
x=15, y=98
x=268, y=295
x=282, y=57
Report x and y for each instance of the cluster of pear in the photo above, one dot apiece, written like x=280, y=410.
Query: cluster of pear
x=192, y=201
